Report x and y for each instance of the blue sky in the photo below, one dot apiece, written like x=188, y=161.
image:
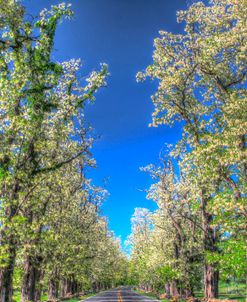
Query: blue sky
x=119, y=33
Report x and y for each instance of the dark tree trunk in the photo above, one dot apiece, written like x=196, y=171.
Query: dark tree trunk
x=69, y=287
x=176, y=252
x=211, y=273
x=174, y=288
x=242, y=146
x=167, y=288
x=8, y=239
x=53, y=289
x=187, y=292
x=38, y=293
x=30, y=290
x=74, y=287
x=211, y=282
x=6, y=278
x=62, y=287
x=93, y=287
x=39, y=286
x=66, y=287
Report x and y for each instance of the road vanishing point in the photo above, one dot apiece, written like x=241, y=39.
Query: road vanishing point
x=120, y=294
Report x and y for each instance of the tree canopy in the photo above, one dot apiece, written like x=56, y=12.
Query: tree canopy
x=53, y=236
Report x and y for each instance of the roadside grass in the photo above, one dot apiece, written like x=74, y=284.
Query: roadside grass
x=228, y=291
x=231, y=290
x=237, y=297
x=17, y=297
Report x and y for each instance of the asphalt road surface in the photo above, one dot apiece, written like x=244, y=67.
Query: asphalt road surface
x=120, y=294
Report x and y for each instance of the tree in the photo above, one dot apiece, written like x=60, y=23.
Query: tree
x=202, y=75
x=171, y=253
x=40, y=104
x=177, y=217
x=140, y=241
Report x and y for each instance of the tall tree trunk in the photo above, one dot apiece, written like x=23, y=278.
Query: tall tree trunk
x=187, y=292
x=53, y=289
x=93, y=287
x=62, y=285
x=8, y=239
x=211, y=273
x=211, y=282
x=53, y=285
x=174, y=288
x=176, y=253
x=6, y=277
x=39, y=286
x=66, y=287
x=31, y=278
x=167, y=288
x=74, y=286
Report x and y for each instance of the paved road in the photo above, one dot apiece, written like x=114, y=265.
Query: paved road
x=120, y=294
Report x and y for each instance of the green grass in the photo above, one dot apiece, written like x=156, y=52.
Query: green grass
x=237, y=297
x=17, y=297
x=232, y=291
x=232, y=287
